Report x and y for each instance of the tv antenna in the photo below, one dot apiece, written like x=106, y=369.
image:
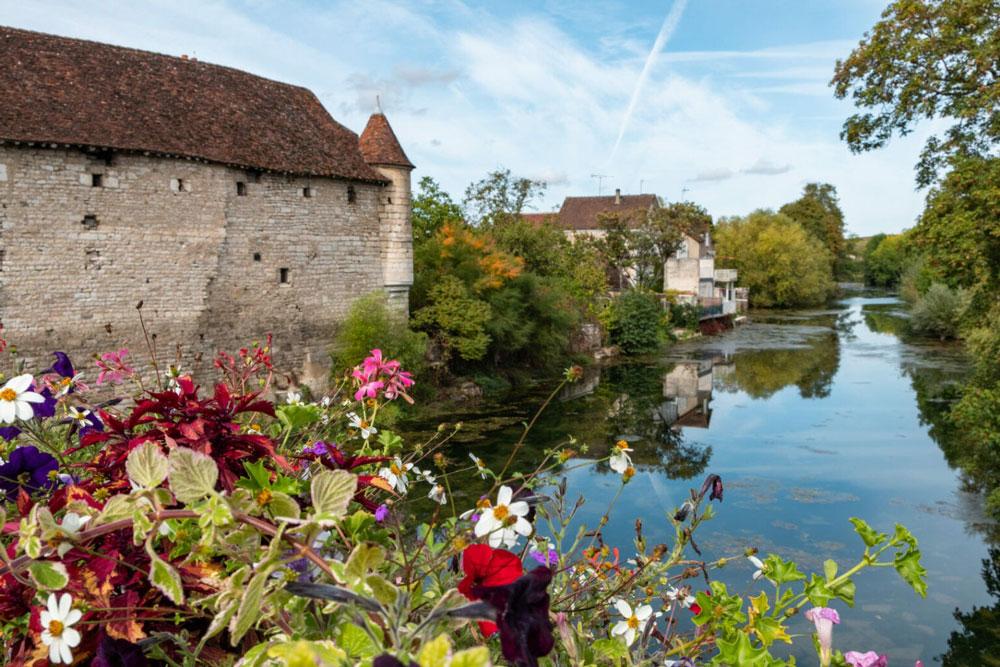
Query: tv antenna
x=600, y=181
x=683, y=191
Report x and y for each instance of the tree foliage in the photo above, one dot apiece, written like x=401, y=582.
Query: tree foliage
x=637, y=322
x=369, y=325
x=659, y=236
x=499, y=198
x=432, y=209
x=927, y=59
x=781, y=263
x=818, y=211
x=885, y=259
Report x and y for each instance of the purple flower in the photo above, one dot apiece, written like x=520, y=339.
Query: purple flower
x=316, y=449
x=869, y=659
x=8, y=433
x=713, y=482
x=522, y=608
x=550, y=559
x=118, y=653
x=381, y=513
x=29, y=469
x=824, y=618
x=683, y=512
x=386, y=660
x=62, y=366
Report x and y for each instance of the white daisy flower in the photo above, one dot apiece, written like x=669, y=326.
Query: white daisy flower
x=759, y=564
x=294, y=398
x=81, y=417
x=395, y=474
x=57, y=633
x=437, y=494
x=504, y=521
x=173, y=374
x=16, y=399
x=66, y=384
x=325, y=401
x=632, y=622
x=620, y=460
x=359, y=424
x=480, y=466
x=69, y=529
x=677, y=595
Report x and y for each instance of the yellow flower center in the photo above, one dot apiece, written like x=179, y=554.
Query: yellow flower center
x=8, y=394
x=479, y=462
x=394, y=469
x=255, y=427
x=55, y=628
x=66, y=382
x=621, y=444
x=629, y=471
x=484, y=503
x=53, y=475
x=364, y=424
x=633, y=622
x=264, y=496
x=459, y=544
x=501, y=512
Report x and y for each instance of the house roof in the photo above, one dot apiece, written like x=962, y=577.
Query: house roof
x=581, y=213
x=538, y=218
x=379, y=144
x=81, y=93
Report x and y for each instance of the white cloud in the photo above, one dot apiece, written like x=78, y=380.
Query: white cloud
x=764, y=167
x=716, y=174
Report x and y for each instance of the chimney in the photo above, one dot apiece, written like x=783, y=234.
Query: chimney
x=618, y=196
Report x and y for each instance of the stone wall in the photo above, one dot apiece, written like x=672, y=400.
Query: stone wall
x=395, y=214
x=220, y=256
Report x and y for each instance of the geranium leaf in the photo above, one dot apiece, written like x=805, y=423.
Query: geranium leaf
x=192, y=474
x=116, y=507
x=817, y=592
x=867, y=533
x=830, y=568
x=356, y=641
x=781, y=571
x=435, y=653
x=146, y=465
x=332, y=490
x=49, y=575
x=770, y=630
x=383, y=591
x=909, y=568
x=740, y=652
x=845, y=591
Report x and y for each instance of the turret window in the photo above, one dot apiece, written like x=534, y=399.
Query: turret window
x=352, y=196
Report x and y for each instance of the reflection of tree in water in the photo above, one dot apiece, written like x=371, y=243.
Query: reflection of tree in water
x=633, y=394
x=978, y=642
x=761, y=373
x=886, y=319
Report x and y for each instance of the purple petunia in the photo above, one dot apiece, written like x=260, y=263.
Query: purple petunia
x=522, y=608
x=62, y=366
x=713, y=482
x=118, y=653
x=27, y=469
x=8, y=433
x=381, y=513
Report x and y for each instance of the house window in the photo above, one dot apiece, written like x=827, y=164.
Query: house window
x=352, y=196
x=307, y=192
x=389, y=199
x=241, y=189
x=96, y=180
x=90, y=222
x=283, y=275
x=256, y=257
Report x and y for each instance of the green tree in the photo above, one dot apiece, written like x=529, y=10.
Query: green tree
x=541, y=245
x=614, y=245
x=782, y=264
x=927, y=59
x=432, y=208
x=659, y=235
x=818, y=211
x=499, y=198
x=456, y=318
x=370, y=324
x=885, y=259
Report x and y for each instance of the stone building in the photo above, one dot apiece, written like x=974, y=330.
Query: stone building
x=230, y=204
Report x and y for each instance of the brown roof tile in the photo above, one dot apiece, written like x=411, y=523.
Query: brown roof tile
x=69, y=91
x=379, y=144
x=581, y=213
x=538, y=218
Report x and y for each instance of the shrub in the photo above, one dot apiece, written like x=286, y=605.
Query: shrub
x=685, y=315
x=939, y=312
x=637, y=322
x=369, y=324
x=456, y=318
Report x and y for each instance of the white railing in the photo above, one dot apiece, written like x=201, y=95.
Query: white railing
x=725, y=275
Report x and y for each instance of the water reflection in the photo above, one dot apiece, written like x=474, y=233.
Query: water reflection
x=978, y=640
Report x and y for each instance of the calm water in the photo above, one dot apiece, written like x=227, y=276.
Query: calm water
x=810, y=417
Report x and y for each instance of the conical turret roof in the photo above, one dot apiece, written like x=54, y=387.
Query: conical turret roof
x=379, y=144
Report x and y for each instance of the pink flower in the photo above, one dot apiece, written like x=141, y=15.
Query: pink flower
x=113, y=367
x=369, y=389
x=824, y=618
x=869, y=659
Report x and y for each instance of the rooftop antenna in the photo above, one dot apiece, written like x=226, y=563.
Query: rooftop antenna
x=684, y=190
x=600, y=181
x=641, y=181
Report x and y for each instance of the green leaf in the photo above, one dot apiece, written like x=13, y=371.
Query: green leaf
x=845, y=591
x=383, y=591
x=49, y=575
x=867, y=533
x=293, y=416
x=769, y=630
x=781, y=571
x=146, y=465
x=740, y=652
x=909, y=568
x=904, y=536
x=166, y=579
x=249, y=606
x=830, y=569
x=435, y=653
x=472, y=657
x=116, y=507
x=817, y=592
x=332, y=490
x=283, y=505
x=730, y=605
x=356, y=641
x=258, y=478
x=609, y=649
x=366, y=556
x=192, y=474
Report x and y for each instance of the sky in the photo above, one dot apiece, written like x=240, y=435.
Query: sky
x=722, y=102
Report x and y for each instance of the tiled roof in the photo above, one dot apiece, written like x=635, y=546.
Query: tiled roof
x=581, y=213
x=74, y=92
x=379, y=144
x=538, y=218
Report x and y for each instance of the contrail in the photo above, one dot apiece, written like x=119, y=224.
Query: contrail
x=666, y=32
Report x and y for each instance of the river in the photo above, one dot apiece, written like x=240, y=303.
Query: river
x=810, y=417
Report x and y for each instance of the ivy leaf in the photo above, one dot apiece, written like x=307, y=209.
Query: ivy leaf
x=192, y=474
x=909, y=568
x=740, y=652
x=781, y=571
x=435, y=653
x=49, y=575
x=165, y=578
x=146, y=465
x=332, y=490
x=868, y=534
x=817, y=592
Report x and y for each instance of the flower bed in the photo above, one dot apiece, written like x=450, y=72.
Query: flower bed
x=179, y=525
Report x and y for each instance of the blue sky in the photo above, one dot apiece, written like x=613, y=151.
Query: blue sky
x=732, y=110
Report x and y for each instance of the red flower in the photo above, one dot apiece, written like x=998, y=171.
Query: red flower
x=486, y=566
x=695, y=607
